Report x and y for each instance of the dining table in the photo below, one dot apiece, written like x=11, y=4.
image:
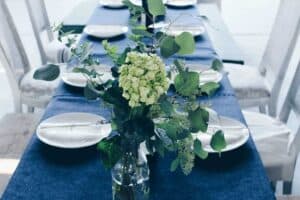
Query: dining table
x=46, y=172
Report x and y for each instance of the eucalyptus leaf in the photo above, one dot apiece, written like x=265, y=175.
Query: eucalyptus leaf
x=82, y=70
x=90, y=92
x=199, y=151
x=218, y=142
x=174, y=129
x=174, y=165
x=48, y=73
x=168, y=46
x=110, y=151
x=142, y=32
x=186, y=43
x=166, y=106
x=199, y=120
x=156, y=7
x=217, y=65
x=187, y=83
x=209, y=88
x=179, y=65
x=159, y=35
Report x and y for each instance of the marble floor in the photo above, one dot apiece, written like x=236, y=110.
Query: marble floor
x=242, y=17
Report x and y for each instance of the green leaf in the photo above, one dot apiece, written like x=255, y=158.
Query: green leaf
x=209, y=88
x=199, y=120
x=82, y=70
x=168, y=46
x=217, y=65
x=122, y=58
x=48, y=73
x=199, y=151
x=179, y=65
x=174, y=129
x=186, y=43
x=142, y=31
x=159, y=147
x=156, y=7
x=174, y=165
x=111, y=50
x=159, y=35
x=110, y=151
x=187, y=83
x=218, y=142
x=166, y=106
x=90, y=92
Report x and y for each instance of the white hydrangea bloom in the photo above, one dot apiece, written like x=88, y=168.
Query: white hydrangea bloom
x=143, y=79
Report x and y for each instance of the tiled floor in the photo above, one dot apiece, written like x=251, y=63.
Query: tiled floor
x=242, y=17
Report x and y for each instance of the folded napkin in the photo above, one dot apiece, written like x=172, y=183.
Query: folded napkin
x=70, y=135
x=77, y=78
x=57, y=52
x=209, y=76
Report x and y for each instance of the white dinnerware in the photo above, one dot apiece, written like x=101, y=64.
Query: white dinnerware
x=181, y=3
x=105, y=31
x=139, y=2
x=236, y=134
x=76, y=79
x=206, y=75
x=111, y=3
x=175, y=30
x=73, y=130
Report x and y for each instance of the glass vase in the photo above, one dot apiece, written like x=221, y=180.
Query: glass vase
x=130, y=178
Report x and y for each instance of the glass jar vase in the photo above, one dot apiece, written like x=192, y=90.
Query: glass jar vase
x=130, y=178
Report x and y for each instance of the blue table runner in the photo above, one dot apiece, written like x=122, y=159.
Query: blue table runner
x=46, y=172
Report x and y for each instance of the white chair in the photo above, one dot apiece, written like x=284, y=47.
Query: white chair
x=259, y=87
x=26, y=90
x=277, y=145
x=51, y=49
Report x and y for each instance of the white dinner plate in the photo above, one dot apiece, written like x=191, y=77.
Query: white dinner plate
x=206, y=75
x=236, y=134
x=105, y=31
x=181, y=3
x=111, y=3
x=73, y=130
x=80, y=80
x=139, y=2
x=175, y=30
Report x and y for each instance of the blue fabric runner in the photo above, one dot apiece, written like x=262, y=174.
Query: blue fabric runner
x=50, y=173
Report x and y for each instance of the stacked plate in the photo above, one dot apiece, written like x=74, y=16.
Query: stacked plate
x=112, y=3
x=105, y=31
x=175, y=30
x=181, y=3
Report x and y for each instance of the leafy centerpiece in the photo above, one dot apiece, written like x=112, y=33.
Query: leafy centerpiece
x=154, y=110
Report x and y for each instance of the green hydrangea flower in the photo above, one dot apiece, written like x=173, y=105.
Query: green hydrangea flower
x=143, y=79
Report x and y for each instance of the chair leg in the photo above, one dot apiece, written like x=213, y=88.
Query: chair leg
x=18, y=105
x=262, y=109
x=287, y=187
x=273, y=185
x=30, y=109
